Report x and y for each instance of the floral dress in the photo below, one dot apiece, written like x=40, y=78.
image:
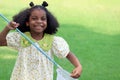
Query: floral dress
x=30, y=63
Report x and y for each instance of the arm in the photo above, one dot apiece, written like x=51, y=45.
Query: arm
x=12, y=25
x=78, y=68
x=3, y=35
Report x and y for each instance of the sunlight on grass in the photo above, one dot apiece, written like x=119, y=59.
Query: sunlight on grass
x=99, y=16
x=104, y=19
x=8, y=56
x=7, y=53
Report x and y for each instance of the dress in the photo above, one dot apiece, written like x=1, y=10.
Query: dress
x=30, y=63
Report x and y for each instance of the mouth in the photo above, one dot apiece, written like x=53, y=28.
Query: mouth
x=39, y=27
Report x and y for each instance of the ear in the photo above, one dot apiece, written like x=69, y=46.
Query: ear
x=27, y=24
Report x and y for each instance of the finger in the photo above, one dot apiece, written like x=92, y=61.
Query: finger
x=17, y=24
x=75, y=74
x=14, y=24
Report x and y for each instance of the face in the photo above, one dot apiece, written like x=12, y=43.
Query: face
x=37, y=21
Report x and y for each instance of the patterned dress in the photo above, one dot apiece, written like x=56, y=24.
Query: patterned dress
x=30, y=63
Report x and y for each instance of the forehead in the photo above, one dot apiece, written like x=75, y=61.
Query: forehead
x=38, y=11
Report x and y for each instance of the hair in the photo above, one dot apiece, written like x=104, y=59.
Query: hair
x=23, y=16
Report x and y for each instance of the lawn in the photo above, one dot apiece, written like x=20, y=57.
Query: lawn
x=91, y=28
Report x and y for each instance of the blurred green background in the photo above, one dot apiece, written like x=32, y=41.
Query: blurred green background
x=91, y=28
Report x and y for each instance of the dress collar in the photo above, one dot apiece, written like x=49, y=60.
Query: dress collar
x=45, y=43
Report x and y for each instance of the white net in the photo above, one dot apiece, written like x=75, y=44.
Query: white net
x=63, y=75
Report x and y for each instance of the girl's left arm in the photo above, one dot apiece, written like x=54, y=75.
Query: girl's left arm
x=78, y=67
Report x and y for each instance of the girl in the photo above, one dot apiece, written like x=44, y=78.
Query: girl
x=39, y=25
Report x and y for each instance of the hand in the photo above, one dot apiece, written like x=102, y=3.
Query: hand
x=76, y=72
x=12, y=25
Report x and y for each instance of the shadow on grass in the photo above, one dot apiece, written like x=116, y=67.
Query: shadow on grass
x=99, y=53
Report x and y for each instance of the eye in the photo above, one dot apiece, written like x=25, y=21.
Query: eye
x=34, y=18
x=43, y=18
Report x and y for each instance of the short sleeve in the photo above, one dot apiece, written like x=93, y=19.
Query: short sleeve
x=60, y=47
x=13, y=40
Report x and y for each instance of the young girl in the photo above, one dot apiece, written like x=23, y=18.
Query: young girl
x=39, y=25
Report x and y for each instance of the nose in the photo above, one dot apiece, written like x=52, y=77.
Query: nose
x=39, y=20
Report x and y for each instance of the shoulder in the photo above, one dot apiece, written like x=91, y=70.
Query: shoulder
x=60, y=47
x=13, y=40
x=13, y=34
x=59, y=41
x=58, y=38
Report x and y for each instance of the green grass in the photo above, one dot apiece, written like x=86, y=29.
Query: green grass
x=7, y=61
x=91, y=28
x=98, y=53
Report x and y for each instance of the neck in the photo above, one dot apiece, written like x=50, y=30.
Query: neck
x=37, y=36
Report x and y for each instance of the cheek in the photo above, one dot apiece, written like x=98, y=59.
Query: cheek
x=45, y=24
x=29, y=23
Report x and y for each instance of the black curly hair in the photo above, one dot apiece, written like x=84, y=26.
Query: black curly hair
x=23, y=16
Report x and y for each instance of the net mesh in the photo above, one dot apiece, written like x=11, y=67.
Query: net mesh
x=63, y=75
